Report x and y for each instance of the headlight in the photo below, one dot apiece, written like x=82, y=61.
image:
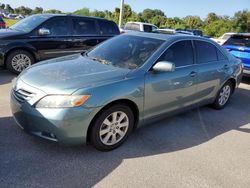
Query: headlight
x=62, y=101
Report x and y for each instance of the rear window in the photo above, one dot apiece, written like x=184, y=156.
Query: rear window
x=238, y=41
x=206, y=52
x=148, y=28
x=83, y=26
x=132, y=26
x=108, y=27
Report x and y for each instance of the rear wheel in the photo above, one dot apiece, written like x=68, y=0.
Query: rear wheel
x=19, y=60
x=223, y=96
x=112, y=127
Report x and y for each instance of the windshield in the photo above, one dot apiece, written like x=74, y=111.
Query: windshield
x=30, y=23
x=238, y=41
x=125, y=51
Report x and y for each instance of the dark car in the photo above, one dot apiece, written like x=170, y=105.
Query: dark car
x=239, y=46
x=2, y=23
x=194, y=31
x=44, y=36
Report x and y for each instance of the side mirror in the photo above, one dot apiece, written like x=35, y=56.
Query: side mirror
x=164, y=66
x=43, y=31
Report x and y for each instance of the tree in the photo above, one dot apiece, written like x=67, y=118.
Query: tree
x=82, y=12
x=193, y=22
x=211, y=17
x=23, y=10
x=9, y=8
x=2, y=6
x=97, y=13
x=241, y=21
x=37, y=10
x=53, y=11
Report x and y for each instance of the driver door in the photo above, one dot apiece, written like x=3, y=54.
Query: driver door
x=170, y=91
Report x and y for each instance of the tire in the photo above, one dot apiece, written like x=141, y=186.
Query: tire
x=223, y=96
x=111, y=134
x=19, y=60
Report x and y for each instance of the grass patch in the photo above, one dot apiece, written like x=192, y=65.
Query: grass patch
x=10, y=22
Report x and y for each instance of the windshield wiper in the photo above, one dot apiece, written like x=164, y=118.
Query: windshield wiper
x=102, y=61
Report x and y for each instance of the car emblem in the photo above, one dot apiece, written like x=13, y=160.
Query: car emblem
x=241, y=48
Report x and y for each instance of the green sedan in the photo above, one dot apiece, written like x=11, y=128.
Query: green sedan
x=102, y=95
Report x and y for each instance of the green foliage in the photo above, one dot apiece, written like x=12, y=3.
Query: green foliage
x=82, y=12
x=212, y=25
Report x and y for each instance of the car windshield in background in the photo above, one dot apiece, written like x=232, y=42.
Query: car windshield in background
x=125, y=51
x=30, y=23
x=238, y=41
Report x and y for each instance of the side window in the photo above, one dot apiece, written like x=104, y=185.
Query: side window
x=205, y=51
x=83, y=26
x=107, y=27
x=147, y=28
x=57, y=26
x=132, y=26
x=180, y=53
x=220, y=55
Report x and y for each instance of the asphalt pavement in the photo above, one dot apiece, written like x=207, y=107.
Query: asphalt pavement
x=200, y=148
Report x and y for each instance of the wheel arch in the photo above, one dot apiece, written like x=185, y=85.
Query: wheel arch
x=132, y=105
x=28, y=49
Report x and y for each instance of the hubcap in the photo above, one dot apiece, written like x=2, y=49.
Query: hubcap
x=224, y=95
x=114, y=128
x=20, y=62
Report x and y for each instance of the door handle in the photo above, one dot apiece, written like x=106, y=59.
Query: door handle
x=226, y=66
x=193, y=74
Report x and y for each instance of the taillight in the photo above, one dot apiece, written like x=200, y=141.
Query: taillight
x=122, y=32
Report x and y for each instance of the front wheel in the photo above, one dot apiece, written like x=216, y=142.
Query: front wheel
x=111, y=127
x=19, y=60
x=223, y=96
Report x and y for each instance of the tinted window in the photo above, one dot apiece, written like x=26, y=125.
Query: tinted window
x=57, y=26
x=147, y=28
x=107, y=27
x=125, y=51
x=180, y=53
x=220, y=55
x=205, y=51
x=30, y=23
x=83, y=26
x=238, y=41
x=132, y=26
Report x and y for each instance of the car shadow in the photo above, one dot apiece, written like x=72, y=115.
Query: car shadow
x=6, y=77
x=246, y=80
x=28, y=160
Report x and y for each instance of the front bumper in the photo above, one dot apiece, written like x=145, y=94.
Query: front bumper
x=66, y=126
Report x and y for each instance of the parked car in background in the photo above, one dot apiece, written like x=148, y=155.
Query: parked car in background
x=222, y=39
x=102, y=95
x=45, y=36
x=239, y=46
x=2, y=23
x=171, y=31
x=140, y=26
x=193, y=31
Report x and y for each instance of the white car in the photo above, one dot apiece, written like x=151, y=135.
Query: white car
x=222, y=39
x=140, y=26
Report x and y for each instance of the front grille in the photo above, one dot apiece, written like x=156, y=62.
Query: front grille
x=23, y=95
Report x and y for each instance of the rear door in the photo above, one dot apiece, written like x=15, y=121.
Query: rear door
x=85, y=34
x=213, y=69
x=169, y=91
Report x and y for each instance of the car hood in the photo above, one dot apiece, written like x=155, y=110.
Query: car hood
x=9, y=32
x=67, y=74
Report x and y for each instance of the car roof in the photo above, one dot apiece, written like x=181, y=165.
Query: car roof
x=166, y=36
x=144, y=23
x=73, y=15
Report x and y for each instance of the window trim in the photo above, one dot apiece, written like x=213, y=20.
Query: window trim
x=84, y=35
x=171, y=44
x=54, y=36
x=216, y=52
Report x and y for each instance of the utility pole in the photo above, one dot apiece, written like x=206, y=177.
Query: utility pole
x=121, y=13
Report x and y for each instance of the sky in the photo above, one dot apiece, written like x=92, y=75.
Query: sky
x=171, y=8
